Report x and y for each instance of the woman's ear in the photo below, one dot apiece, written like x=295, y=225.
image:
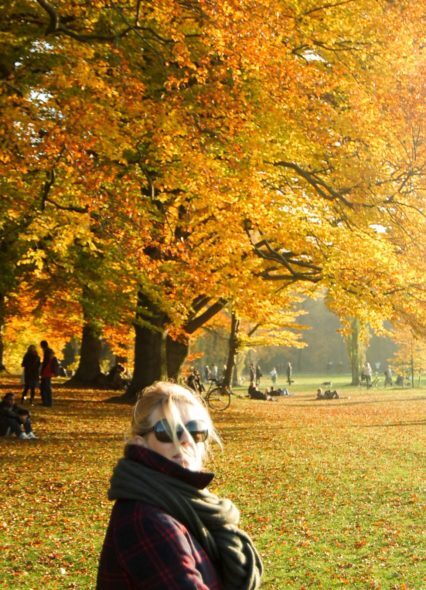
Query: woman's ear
x=139, y=440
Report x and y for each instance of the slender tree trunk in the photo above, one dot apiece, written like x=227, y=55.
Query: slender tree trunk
x=2, y=322
x=232, y=350
x=89, y=369
x=237, y=376
x=356, y=351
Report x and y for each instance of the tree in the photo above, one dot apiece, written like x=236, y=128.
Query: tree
x=410, y=358
x=246, y=143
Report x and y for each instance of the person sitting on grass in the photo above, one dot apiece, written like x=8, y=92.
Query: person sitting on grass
x=115, y=377
x=255, y=393
x=278, y=392
x=327, y=394
x=15, y=420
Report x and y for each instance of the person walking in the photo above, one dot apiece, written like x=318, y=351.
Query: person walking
x=31, y=364
x=367, y=372
x=388, y=376
x=289, y=373
x=274, y=376
x=252, y=373
x=167, y=531
x=258, y=374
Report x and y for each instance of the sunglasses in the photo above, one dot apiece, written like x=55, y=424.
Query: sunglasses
x=197, y=429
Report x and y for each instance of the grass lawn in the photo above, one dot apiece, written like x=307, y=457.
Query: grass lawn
x=331, y=491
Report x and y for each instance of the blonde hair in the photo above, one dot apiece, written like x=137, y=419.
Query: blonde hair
x=166, y=396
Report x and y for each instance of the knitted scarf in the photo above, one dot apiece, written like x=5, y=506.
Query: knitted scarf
x=212, y=521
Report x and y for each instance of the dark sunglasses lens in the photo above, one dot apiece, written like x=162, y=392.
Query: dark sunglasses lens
x=162, y=431
x=198, y=430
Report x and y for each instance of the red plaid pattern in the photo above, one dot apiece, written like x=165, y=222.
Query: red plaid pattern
x=146, y=548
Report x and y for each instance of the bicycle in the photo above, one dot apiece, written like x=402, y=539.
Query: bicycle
x=217, y=396
x=376, y=381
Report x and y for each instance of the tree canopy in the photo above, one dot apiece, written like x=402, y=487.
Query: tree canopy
x=201, y=152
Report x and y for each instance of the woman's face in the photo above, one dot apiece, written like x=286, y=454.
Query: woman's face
x=188, y=453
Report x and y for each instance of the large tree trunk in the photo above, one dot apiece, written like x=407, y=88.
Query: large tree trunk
x=232, y=350
x=157, y=356
x=177, y=351
x=150, y=347
x=2, y=322
x=89, y=370
x=150, y=352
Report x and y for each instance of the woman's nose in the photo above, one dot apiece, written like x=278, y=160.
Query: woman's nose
x=186, y=438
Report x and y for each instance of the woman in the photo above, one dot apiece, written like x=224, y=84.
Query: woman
x=31, y=364
x=167, y=531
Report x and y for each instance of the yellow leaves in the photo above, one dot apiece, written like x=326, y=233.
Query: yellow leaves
x=208, y=98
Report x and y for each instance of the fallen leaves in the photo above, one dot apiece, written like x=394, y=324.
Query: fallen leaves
x=331, y=494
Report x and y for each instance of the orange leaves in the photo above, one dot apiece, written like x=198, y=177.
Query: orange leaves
x=173, y=125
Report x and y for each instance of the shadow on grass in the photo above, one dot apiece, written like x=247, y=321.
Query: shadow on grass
x=387, y=424
x=314, y=403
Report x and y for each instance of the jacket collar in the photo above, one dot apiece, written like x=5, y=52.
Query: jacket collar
x=152, y=460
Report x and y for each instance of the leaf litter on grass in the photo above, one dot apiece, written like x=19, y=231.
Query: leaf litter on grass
x=332, y=494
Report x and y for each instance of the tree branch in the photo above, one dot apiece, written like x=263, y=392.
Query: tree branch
x=196, y=322
x=322, y=188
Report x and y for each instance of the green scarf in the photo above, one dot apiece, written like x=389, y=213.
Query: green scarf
x=212, y=521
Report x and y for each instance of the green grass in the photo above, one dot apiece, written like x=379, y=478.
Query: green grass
x=331, y=491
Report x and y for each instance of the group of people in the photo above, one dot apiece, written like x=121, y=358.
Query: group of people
x=269, y=394
x=327, y=394
x=367, y=374
x=38, y=372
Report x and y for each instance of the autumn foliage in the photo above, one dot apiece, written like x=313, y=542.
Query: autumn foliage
x=204, y=152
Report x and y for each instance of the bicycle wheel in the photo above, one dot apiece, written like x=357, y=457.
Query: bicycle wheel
x=219, y=399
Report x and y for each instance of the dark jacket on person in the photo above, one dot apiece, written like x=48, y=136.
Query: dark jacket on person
x=31, y=364
x=8, y=411
x=11, y=414
x=145, y=547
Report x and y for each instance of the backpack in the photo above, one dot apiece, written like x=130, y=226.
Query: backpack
x=54, y=366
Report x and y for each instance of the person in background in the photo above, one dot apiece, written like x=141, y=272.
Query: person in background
x=289, y=373
x=15, y=420
x=258, y=374
x=31, y=364
x=367, y=372
x=274, y=376
x=215, y=372
x=193, y=381
x=167, y=531
x=388, y=376
x=252, y=374
x=254, y=393
x=49, y=368
x=207, y=375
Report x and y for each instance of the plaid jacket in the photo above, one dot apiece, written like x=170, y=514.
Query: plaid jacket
x=146, y=548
